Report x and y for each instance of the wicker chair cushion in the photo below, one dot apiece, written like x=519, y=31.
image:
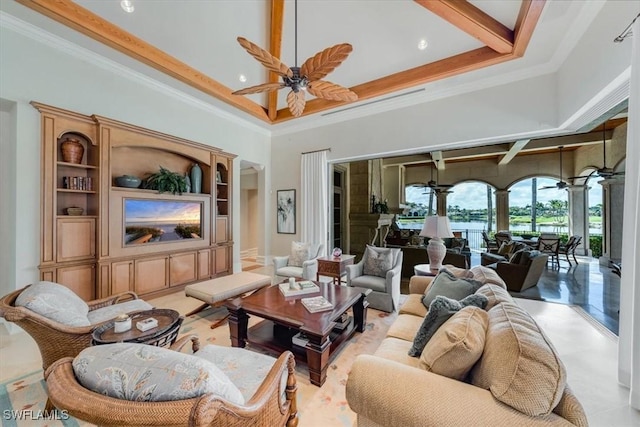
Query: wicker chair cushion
x=146, y=373
x=112, y=311
x=246, y=369
x=300, y=252
x=55, y=302
x=457, y=345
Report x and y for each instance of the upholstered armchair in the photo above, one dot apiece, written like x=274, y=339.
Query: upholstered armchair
x=302, y=262
x=215, y=386
x=378, y=270
x=522, y=271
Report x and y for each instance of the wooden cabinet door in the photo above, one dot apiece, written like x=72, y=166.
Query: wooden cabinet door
x=222, y=259
x=221, y=230
x=182, y=268
x=81, y=279
x=150, y=274
x=76, y=238
x=204, y=264
x=121, y=277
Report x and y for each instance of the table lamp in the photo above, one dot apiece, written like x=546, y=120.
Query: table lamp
x=436, y=227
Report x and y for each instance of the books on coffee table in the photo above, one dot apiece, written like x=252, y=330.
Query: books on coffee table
x=316, y=304
x=300, y=288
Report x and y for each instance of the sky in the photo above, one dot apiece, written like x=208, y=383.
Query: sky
x=473, y=195
x=162, y=211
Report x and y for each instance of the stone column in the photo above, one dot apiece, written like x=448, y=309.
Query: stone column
x=502, y=209
x=579, y=216
x=612, y=208
x=442, y=202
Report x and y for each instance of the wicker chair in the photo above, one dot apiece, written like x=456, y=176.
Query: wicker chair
x=55, y=340
x=265, y=408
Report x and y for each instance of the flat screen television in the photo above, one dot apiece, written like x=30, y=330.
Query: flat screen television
x=158, y=221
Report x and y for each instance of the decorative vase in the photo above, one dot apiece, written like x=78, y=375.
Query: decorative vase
x=337, y=252
x=196, y=179
x=72, y=150
x=187, y=182
x=128, y=181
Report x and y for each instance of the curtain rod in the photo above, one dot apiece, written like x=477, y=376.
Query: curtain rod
x=317, y=151
x=627, y=31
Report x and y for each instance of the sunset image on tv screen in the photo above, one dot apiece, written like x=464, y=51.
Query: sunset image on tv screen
x=149, y=221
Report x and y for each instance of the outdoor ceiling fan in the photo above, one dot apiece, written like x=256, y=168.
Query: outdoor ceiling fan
x=560, y=185
x=300, y=79
x=604, y=171
x=433, y=185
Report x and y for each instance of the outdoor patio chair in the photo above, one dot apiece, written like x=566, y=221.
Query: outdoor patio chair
x=550, y=247
x=570, y=248
x=491, y=245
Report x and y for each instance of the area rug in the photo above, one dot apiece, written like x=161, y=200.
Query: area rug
x=317, y=406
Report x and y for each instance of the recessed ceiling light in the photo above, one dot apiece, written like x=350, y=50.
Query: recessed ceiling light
x=242, y=78
x=422, y=45
x=127, y=6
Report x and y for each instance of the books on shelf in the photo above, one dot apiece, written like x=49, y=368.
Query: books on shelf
x=299, y=339
x=342, y=322
x=316, y=304
x=300, y=288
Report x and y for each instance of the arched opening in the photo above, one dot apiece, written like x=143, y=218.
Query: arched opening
x=471, y=208
x=538, y=205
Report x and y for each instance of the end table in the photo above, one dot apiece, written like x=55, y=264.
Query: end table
x=335, y=267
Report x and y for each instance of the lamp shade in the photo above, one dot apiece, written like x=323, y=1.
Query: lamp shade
x=436, y=226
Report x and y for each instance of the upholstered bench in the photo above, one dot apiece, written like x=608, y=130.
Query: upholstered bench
x=215, y=291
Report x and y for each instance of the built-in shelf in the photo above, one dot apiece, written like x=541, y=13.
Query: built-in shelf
x=76, y=165
x=147, y=191
x=76, y=216
x=66, y=190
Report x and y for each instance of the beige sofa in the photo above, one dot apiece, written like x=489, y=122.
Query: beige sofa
x=519, y=379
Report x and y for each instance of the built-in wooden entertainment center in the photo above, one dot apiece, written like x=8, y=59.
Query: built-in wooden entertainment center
x=92, y=253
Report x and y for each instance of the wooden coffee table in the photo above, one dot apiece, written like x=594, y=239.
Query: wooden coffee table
x=284, y=317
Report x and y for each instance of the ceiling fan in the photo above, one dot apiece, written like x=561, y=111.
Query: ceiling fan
x=560, y=185
x=300, y=79
x=434, y=184
x=604, y=171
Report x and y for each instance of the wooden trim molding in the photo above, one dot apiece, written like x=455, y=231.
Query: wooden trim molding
x=502, y=44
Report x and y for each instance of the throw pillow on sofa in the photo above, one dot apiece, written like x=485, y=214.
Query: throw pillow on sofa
x=299, y=253
x=506, y=248
x=519, y=365
x=440, y=310
x=450, y=286
x=457, y=345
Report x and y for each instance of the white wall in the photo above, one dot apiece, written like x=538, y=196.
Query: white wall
x=36, y=71
x=7, y=194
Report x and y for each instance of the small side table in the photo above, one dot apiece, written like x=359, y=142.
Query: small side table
x=163, y=335
x=423, y=270
x=335, y=267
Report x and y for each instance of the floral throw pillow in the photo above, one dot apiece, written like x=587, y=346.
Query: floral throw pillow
x=299, y=253
x=377, y=261
x=145, y=373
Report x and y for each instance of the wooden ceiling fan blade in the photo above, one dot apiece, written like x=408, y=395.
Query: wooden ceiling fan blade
x=265, y=58
x=265, y=87
x=296, y=102
x=331, y=91
x=322, y=63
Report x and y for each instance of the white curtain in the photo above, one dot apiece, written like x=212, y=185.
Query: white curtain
x=629, y=338
x=314, y=198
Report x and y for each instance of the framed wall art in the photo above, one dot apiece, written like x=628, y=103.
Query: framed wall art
x=286, y=206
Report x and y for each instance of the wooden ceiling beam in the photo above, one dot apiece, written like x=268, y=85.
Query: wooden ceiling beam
x=275, y=49
x=515, y=148
x=530, y=12
x=454, y=65
x=91, y=25
x=472, y=21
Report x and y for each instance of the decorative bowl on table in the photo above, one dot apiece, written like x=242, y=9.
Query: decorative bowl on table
x=128, y=181
x=74, y=211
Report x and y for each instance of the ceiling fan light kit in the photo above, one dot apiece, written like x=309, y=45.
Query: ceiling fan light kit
x=306, y=78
